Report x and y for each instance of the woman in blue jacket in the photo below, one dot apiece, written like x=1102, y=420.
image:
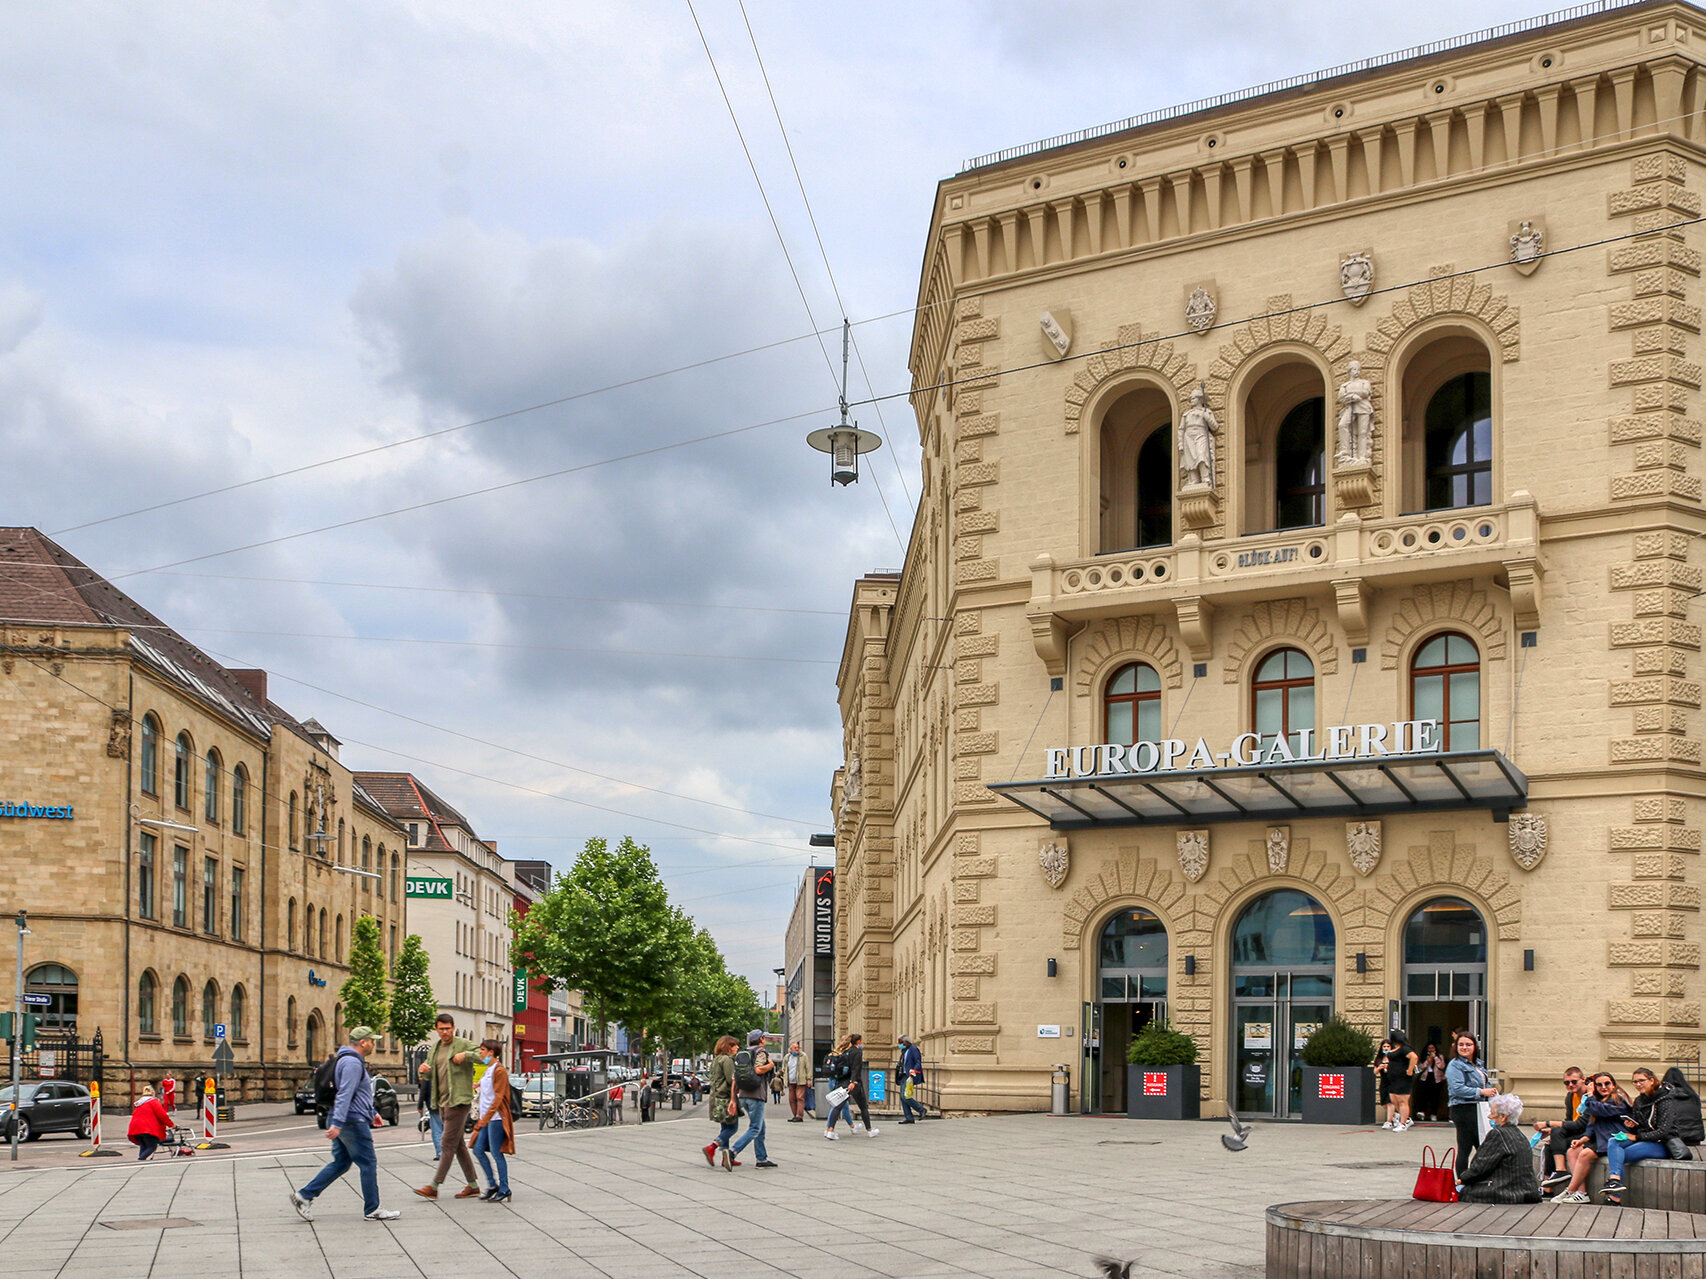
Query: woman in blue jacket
x=1599, y=1120
x=1466, y=1083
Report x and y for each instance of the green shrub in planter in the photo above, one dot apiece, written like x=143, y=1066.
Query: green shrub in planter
x=1338, y=1043
x=1158, y=1044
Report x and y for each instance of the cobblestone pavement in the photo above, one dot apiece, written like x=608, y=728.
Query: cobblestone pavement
x=996, y=1197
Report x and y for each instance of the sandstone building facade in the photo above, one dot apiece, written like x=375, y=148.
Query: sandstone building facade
x=1369, y=400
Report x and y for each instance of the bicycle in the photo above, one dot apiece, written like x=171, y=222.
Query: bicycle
x=567, y=1113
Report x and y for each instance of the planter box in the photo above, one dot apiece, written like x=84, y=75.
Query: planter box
x=1163, y=1092
x=1342, y=1095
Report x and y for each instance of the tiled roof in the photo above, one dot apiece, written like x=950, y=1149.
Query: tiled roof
x=406, y=798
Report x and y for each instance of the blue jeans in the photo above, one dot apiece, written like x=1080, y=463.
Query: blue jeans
x=435, y=1124
x=354, y=1145
x=1618, y=1153
x=754, y=1133
x=727, y=1132
x=844, y=1111
x=490, y=1140
x=907, y=1106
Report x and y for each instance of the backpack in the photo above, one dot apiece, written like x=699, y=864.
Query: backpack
x=516, y=1099
x=746, y=1078
x=326, y=1084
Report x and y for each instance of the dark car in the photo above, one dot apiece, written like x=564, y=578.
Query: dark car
x=47, y=1106
x=305, y=1097
x=384, y=1099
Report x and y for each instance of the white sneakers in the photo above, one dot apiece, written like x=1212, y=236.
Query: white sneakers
x=384, y=1214
x=301, y=1205
x=870, y=1132
x=832, y=1134
x=1387, y=1125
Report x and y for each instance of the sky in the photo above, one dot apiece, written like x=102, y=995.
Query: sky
x=607, y=595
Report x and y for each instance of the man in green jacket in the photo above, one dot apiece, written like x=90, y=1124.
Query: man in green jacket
x=451, y=1066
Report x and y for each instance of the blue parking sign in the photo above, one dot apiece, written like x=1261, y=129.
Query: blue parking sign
x=879, y=1084
x=219, y=1031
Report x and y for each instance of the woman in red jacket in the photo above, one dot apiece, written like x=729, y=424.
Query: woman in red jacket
x=148, y=1122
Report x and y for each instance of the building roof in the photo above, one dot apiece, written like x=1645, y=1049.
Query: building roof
x=406, y=798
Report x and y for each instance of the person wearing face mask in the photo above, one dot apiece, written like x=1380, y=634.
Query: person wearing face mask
x=494, y=1126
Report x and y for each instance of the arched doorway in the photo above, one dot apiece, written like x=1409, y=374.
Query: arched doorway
x=316, y=1039
x=1445, y=972
x=59, y=984
x=1283, y=948
x=1131, y=991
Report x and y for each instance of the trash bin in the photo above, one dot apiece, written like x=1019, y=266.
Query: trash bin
x=675, y=1099
x=1061, y=1091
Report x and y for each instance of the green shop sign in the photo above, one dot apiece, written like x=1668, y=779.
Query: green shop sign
x=429, y=886
x=520, y=990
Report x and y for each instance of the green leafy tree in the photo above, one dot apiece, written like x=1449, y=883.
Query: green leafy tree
x=707, y=1000
x=607, y=930
x=413, y=1006
x=364, y=992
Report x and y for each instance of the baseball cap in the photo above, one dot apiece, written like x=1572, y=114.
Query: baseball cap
x=359, y=1033
x=754, y=1038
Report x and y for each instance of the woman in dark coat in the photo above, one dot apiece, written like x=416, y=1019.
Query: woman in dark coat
x=1502, y=1171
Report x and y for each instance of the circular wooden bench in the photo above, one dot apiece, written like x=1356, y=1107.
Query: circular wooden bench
x=1398, y=1237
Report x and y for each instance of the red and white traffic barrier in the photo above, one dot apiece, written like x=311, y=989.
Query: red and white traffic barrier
x=210, y=1120
x=95, y=1151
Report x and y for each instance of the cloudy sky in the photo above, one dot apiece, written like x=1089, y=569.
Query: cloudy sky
x=240, y=240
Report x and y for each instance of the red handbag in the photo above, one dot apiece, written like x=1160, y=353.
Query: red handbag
x=1437, y=1182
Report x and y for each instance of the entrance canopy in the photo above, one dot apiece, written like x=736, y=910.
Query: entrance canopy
x=1354, y=787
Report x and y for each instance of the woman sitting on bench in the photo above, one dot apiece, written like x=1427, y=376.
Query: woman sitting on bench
x=1503, y=1168
x=1665, y=1122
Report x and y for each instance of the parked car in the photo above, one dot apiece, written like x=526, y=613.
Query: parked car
x=48, y=1106
x=305, y=1097
x=538, y=1093
x=384, y=1099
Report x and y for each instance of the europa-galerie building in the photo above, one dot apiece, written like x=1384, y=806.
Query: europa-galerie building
x=1299, y=616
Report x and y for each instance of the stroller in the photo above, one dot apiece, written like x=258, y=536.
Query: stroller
x=177, y=1141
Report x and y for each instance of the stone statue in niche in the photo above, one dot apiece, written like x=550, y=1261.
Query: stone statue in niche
x=1197, y=429
x=1279, y=848
x=1055, y=860
x=853, y=784
x=1200, y=310
x=1356, y=418
x=1527, y=246
x=1193, y=854
x=1363, y=841
x=1356, y=277
x=1528, y=839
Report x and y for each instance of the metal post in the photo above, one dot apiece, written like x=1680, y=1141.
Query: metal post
x=18, y=1029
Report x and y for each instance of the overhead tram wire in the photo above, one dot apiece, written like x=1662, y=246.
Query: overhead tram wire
x=494, y=644
x=781, y=240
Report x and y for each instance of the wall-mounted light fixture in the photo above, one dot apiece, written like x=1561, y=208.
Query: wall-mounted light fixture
x=1528, y=961
x=1362, y=961
x=1190, y=965
x=1053, y=968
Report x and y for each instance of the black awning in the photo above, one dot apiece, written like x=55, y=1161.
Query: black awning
x=1360, y=787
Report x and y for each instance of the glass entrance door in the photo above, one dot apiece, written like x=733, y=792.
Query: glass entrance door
x=1090, y=1062
x=1274, y=1014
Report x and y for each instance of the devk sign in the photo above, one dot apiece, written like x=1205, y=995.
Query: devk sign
x=823, y=913
x=1341, y=742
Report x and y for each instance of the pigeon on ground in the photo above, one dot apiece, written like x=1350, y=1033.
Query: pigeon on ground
x=1240, y=1134
x=1112, y=1269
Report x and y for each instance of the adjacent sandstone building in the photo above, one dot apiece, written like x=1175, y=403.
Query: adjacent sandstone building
x=1301, y=612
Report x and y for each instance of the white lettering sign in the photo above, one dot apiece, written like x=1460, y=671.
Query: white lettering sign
x=1048, y=1032
x=1248, y=750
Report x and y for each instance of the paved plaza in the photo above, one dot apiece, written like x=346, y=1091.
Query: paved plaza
x=998, y=1197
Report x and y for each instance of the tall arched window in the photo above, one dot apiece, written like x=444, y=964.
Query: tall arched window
x=239, y=1005
x=1132, y=705
x=1445, y=970
x=366, y=864
x=209, y=1009
x=293, y=819
x=181, y=1007
x=1154, y=485
x=396, y=872
x=148, y=764
x=290, y=925
x=322, y=949
x=210, y=785
x=59, y=984
x=1132, y=961
x=1137, y=471
x=338, y=939
x=290, y=1021
x=1458, y=440
x=1300, y=467
x=1445, y=686
x=181, y=772
x=146, y=992
x=1282, y=699
x=341, y=860
x=240, y=801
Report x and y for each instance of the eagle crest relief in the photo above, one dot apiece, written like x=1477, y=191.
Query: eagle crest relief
x=1363, y=841
x=1055, y=860
x=1528, y=839
x=1193, y=854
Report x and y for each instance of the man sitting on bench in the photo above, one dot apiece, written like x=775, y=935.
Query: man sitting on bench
x=1557, y=1144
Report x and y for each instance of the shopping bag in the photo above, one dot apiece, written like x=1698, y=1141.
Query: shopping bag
x=1436, y=1182
x=1483, y=1119
x=837, y=1096
x=911, y=1087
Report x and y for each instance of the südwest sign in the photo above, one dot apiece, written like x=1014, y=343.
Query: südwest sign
x=1174, y=755
x=52, y=812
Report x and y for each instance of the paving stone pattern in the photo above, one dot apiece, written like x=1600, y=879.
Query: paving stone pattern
x=1020, y=1195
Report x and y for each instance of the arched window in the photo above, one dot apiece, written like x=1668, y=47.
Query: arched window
x=1458, y=440
x=293, y=819
x=1132, y=705
x=1132, y=962
x=1300, y=467
x=1445, y=971
x=340, y=841
x=316, y=1028
x=1284, y=929
x=396, y=871
x=146, y=991
x=209, y=1009
x=366, y=864
x=59, y=984
x=322, y=948
x=290, y=1021
x=210, y=785
x=149, y=761
x=240, y=801
x=1137, y=471
x=181, y=772
x=338, y=939
x=290, y=925
x=1282, y=699
x=181, y=1007
x=1154, y=485
x=1283, y=953
x=1445, y=686
x=239, y=1002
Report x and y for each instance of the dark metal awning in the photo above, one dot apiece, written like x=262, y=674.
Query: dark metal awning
x=1360, y=787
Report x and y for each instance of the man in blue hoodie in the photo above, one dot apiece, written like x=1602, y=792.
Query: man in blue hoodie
x=910, y=1077
x=350, y=1128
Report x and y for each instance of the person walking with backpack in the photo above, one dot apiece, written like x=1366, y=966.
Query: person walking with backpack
x=850, y=1074
x=724, y=1109
x=753, y=1069
x=494, y=1123
x=908, y=1078
x=450, y=1066
x=350, y=1129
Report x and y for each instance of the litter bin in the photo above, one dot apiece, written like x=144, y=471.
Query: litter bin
x=1061, y=1091
x=675, y=1099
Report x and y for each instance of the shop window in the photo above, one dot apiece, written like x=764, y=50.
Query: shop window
x=210, y=786
x=1445, y=686
x=1137, y=474
x=149, y=756
x=209, y=1009
x=1132, y=705
x=1300, y=467
x=181, y=1007
x=240, y=801
x=145, y=871
x=181, y=772
x=59, y=984
x=1284, y=447
x=239, y=1006
x=1282, y=699
x=146, y=992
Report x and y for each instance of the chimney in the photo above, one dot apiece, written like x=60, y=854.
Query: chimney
x=254, y=683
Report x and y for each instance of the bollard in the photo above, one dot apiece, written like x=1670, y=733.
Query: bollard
x=95, y=1151
x=1060, y=1099
x=210, y=1120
